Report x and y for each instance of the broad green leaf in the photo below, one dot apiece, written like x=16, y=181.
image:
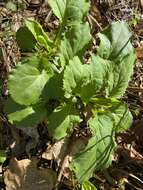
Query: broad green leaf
x=74, y=42
x=25, y=39
x=24, y=116
x=58, y=7
x=115, y=41
x=62, y=120
x=115, y=45
x=53, y=88
x=26, y=82
x=71, y=10
x=120, y=75
x=106, y=77
x=36, y=29
x=97, y=81
x=2, y=156
x=87, y=185
x=98, y=152
x=11, y=6
x=86, y=80
x=75, y=76
x=121, y=116
x=100, y=78
x=109, y=77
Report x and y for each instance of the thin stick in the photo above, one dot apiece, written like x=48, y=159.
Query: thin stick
x=135, y=89
x=90, y=17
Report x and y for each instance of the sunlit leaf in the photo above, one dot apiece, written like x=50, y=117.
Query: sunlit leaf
x=26, y=82
x=87, y=185
x=23, y=116
x=2, y=156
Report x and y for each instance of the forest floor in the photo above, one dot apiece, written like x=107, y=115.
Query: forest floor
x=28, y=147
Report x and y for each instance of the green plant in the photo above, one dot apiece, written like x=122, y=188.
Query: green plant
x=87, y=185
x=2, y=156
x=56, y=84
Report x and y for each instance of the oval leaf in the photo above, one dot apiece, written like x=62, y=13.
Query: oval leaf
x=25, y=39
x=24, y=116
x=26, y=82
x=62, y=120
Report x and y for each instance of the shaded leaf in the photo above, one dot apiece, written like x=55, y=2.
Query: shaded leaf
x=74, y=42
x=24, y=116
x=62, y=120
x=53, y=88
x=36, y=29
x=25, y=39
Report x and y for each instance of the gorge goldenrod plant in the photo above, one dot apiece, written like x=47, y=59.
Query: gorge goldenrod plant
x=55, y=83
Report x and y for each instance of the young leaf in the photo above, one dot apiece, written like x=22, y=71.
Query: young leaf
x=97, y=80
x=53, y=88
x=86, y=80
x=26, y=82
x=69, y=10
x=2, y=156
x=115, y=41
x=25, y=39
x=87, y=185
x=24, y=116
x=62, y=120
x=120, y=75
x=74, y=42
x=36, y=29
x=75, y=76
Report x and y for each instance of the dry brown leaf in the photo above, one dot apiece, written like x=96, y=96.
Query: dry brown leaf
x=59, y=149
x=63, y=151
x=24, y=175
x=139, y=52
x=56, y=151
